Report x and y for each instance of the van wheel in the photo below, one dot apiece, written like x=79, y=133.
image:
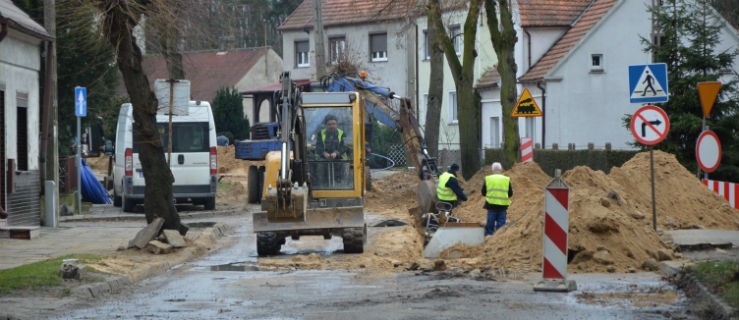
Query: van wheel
x=210, y=203
x=128, y=204
x=254, y=192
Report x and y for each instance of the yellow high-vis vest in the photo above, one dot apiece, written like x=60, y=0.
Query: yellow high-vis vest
x=497, y=186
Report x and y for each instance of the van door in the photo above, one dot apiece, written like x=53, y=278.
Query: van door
x=190, y=162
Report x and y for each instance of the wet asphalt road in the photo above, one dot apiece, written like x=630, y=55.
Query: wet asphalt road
x=228, y=284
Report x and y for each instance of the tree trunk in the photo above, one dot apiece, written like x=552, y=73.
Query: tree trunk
x=468, y=99
x=504, y=42
x=436, y=81
x=119, y=18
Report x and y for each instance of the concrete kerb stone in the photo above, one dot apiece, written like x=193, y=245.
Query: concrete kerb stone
x=116, y=284
x=674, y=272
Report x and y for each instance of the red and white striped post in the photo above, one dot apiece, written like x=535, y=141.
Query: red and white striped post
x=527, y=149
x=556, y=225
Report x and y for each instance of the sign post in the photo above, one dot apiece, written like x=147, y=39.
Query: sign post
x=707, y=92
x=80, y=110
x=650, y=125
x=556, y=226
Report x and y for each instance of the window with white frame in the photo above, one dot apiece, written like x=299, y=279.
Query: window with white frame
x=596, y=62
x=378, y=47
x=530, y=127
x=302, y=54
x=455, y=33
x=453, y=107
x=426, y=45
x=337, y=45
x=495, y=132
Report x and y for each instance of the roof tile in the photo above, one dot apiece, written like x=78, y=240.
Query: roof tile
x=342, y=12
x=548, y=13
x=573, y=36
x=208, y=71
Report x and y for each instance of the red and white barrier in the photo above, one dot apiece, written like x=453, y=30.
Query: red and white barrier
x=527, y=149
x=728, y=190
x=556, y=226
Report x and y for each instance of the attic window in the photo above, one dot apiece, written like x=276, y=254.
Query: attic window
x=596, y=62
x=378, y=47
x=302, y=57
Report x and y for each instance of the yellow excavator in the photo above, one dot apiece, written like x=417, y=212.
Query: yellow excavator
x=311, y=188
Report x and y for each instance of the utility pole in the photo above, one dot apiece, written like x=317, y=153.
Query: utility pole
x=319, y=47
x=50, y=94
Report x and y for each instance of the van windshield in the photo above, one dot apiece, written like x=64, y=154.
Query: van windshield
x=186, y=137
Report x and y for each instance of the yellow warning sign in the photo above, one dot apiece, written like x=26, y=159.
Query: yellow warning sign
x=708, y=91
x=526, y=106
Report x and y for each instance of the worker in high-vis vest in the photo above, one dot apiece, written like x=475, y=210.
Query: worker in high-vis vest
x=498, y=191
x=448, y=189
x=330, y=143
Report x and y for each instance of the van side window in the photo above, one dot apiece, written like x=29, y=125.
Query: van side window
x=187, y=137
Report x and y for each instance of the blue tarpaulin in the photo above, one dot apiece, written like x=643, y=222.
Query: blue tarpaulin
x=341, y=84
x=92, y=190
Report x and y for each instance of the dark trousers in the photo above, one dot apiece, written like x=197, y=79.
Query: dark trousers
x=496, y=220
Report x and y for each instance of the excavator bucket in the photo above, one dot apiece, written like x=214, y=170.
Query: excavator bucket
x=470, y=234
x=426, y=193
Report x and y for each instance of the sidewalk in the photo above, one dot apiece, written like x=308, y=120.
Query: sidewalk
x=101, y=232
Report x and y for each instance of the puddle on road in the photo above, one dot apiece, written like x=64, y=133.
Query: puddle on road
x=236, y=266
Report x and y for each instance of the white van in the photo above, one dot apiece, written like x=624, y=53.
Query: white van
x=193, y=163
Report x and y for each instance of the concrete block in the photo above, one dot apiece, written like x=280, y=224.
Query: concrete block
x=148, y=233
x=20, y=232
x=174, y=238
x=158, y=247
x=451, y=234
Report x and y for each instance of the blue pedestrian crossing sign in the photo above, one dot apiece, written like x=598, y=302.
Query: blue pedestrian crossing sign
x=80, y=101
x=648, y=83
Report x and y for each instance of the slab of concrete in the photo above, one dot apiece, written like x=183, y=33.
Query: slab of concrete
x=454, y=233
x=702, y=239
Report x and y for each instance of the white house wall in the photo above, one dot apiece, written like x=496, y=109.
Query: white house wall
x=486, y=58
x=393, y=73
x=587, y=107
x=536, y=42
x=266, y=71
x=19, y=73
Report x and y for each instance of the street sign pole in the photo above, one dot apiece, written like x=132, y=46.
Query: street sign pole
x=78, y=164
x=654, y=197
x=80, y=110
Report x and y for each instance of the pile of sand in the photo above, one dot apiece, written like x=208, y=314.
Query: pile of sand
x=610, y=218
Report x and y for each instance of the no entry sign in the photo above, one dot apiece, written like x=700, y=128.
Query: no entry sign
x=708, y=151
x=650, y=125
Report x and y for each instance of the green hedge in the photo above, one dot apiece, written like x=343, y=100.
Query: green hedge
x=549, y=160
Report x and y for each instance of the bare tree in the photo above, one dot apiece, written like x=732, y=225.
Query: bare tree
x=436, y=80
x=468, y=98
x=118, y=21
x=504, y=38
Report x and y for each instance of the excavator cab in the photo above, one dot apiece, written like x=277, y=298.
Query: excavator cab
x=315, y=183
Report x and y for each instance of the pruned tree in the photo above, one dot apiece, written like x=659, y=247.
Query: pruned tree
x=468, y=98
x=118, y=20
x=503, y=37
x=436, y=80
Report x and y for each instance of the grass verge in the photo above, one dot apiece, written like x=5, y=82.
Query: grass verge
x=38, y=274
x=721, y=277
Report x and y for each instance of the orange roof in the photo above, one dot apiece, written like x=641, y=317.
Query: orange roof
x=207, y=71
x=343, y=12
x=489, y=78
x=549, y=13
x=573, y=36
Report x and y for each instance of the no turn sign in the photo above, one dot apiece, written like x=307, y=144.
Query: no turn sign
x=708, y=151
x=650, y=125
